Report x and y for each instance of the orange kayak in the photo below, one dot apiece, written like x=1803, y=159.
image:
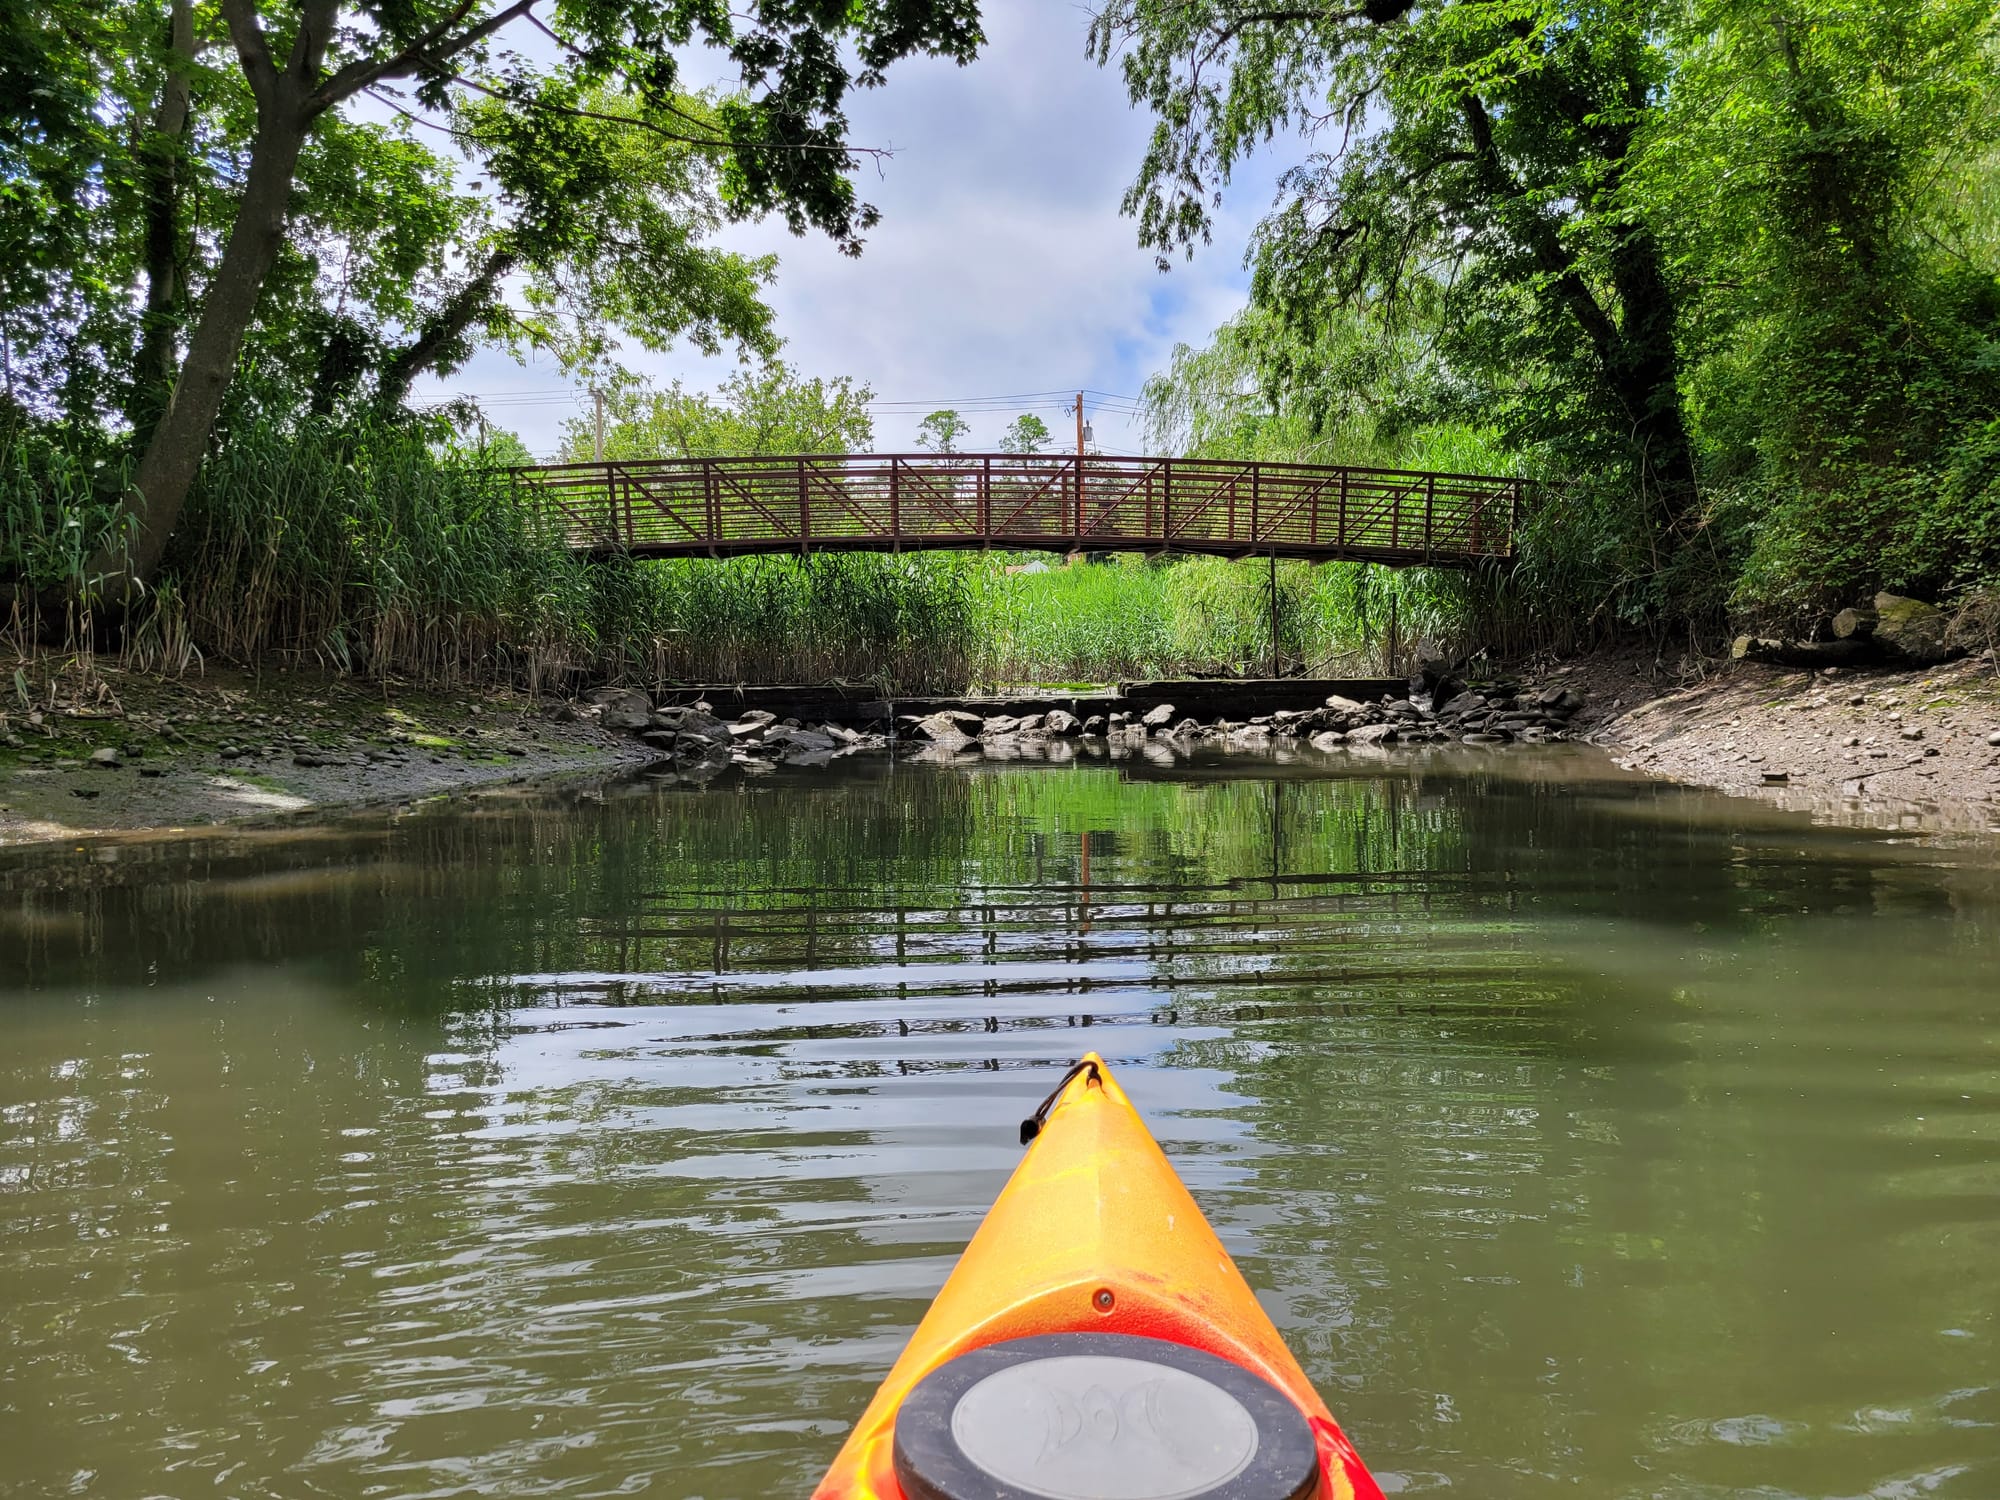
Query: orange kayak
x=1095, y=1342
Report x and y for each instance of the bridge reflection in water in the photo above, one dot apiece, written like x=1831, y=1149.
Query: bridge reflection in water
x=886, y=502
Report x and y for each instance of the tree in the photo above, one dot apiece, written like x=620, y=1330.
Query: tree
x=1479, y=165
x=600, y=212
x=1028, y=434
x=942, y=431
x=774, y=411
x=781, y=143
x=1843, y=343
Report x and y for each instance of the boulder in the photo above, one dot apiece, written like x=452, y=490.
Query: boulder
x=1433, y=683
x=1157, y=718
x=997, y=725
x=1030, y=723
x=1328, y=739
x=627, y=709
x=105, y=758
x=1912, y=629
x=1345, y=705
x=1372, y=734
x=691, y=721
x=1465, y=703
x=1061, y=723
x=1096, y=725
x=1852, y=624
x=783, y=739
x=752, y=723
x=943, y=731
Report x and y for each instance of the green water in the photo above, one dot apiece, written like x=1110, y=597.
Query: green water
x=1584, y=1137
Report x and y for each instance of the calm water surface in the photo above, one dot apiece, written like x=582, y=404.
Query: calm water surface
x=1583, y=1136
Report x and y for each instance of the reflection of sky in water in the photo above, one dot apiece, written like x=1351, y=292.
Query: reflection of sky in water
x=1625, y=1142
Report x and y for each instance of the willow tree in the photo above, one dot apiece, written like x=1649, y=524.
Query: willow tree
x=1468, y=157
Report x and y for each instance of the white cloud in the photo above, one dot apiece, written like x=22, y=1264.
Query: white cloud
x=1001, y=264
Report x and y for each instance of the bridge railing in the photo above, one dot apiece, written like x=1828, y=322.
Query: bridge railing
x=890, y=501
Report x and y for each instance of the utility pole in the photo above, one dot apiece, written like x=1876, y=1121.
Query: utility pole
x=1079, y=468
x=597, y=398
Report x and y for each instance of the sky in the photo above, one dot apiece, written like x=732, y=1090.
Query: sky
x=1002, y=265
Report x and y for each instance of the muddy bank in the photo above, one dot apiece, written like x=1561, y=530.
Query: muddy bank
x=1881, y=748
x=123, y=751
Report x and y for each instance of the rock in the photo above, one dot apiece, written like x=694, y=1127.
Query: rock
x=940, y=729
x=628, y=709
x=1328, y=739
x=692, y=721
x=1854, y=624
x=1187, y=727
x=1031, y=723
x=1913, y=629
x=85, y=792
x=230, y=752
x=1776, y=778
x=800, y=739
x=1155, y=718
x=152, y=773
x=1372, y=734
x=308, y=760
x=751, y=723
x=1061, y=723
x=1345, y=705
x=1994, y=738
x=998, y=725
x=106, y=759
x=1467, y=702
x=1433, y=684
x=1097, y=724
x=1912, y=732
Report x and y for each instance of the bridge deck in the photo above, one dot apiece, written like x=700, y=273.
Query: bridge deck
x=882, y=502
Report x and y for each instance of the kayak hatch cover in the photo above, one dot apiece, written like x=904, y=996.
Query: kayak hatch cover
x=1095, y=1342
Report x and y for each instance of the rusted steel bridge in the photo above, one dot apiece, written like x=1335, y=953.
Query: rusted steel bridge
x=889, y=502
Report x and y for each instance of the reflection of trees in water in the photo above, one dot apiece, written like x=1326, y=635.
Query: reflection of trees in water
x=1693, y=1196
x=887, y=862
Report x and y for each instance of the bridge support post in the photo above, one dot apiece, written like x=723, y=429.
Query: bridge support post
x=1275, y=672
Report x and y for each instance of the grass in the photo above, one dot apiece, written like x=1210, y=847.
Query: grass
x=392, y=551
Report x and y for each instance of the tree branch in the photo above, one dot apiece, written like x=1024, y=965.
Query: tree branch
x=1547, y=250
x=717, y=143
x=434, y=47
x=253, y=49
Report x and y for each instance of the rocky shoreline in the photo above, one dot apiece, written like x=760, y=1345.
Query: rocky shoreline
x=1915, y=750
x=696, y=744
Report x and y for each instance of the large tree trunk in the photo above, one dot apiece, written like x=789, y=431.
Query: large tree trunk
x=160, y=157
x=444, y=328
x=180, y=439
x=1645, y=380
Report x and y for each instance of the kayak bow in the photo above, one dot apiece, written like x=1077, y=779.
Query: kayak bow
x=1095, y=1342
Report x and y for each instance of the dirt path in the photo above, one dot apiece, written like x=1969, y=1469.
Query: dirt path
x=1915, y=750
x=121, y=751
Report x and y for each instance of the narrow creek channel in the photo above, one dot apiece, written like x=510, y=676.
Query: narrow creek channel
x=1583, y=1135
